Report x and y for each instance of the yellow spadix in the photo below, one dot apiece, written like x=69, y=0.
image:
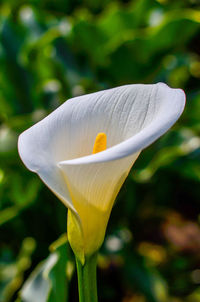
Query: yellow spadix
x=100, y=143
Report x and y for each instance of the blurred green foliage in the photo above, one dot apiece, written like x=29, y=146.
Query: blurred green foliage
x=53, y=50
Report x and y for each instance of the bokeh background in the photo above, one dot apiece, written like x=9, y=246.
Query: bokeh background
x=53, y=50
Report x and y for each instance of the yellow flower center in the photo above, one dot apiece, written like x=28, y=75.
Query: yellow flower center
x=100, y=143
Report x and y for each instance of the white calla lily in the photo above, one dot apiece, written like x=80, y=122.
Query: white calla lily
x=59, y=148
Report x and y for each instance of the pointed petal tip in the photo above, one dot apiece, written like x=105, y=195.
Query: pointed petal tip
x=22, y=146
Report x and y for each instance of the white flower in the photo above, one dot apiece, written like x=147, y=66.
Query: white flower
x=59, y=148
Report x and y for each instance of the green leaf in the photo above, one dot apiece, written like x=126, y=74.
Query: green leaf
x=49, y=281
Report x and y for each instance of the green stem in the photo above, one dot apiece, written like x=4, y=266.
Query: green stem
x=87, y=283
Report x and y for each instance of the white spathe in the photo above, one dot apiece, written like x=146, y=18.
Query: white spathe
x=59, y=148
